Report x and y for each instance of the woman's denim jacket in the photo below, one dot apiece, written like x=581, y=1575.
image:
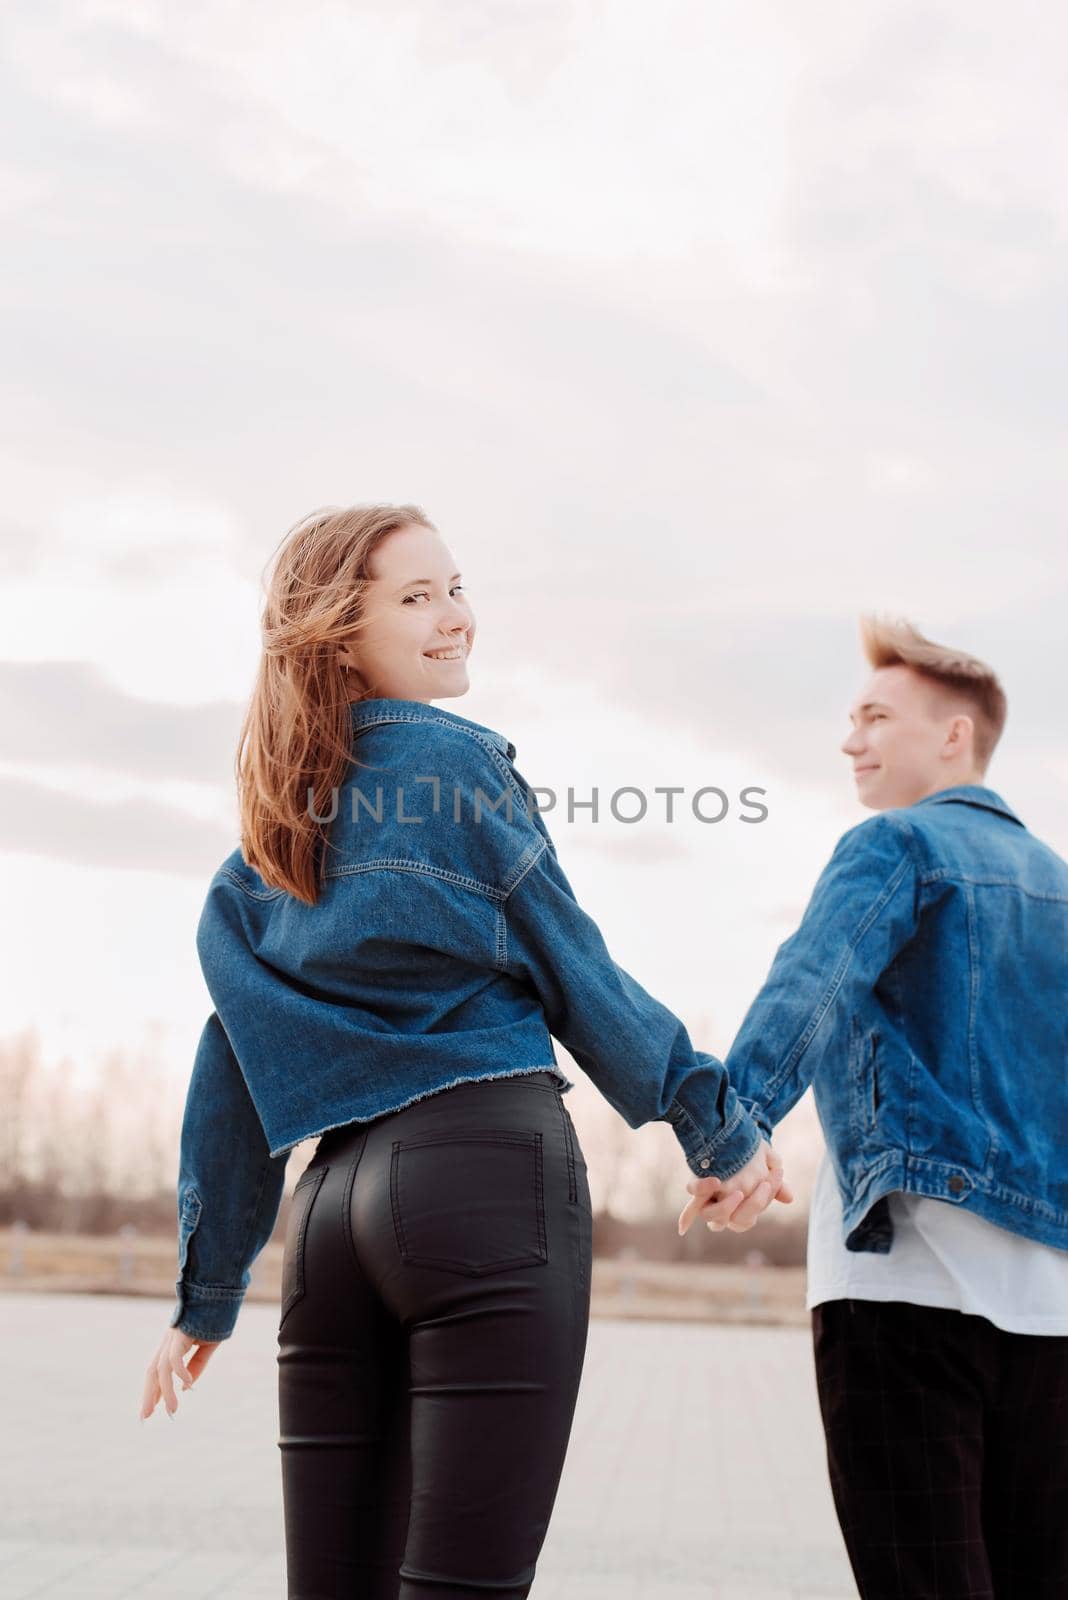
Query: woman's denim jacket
x=446, y=946
x=925, y=998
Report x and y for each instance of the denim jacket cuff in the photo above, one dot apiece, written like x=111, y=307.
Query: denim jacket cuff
x=759, y=1116
x=726, y=1153
x=206, y=1312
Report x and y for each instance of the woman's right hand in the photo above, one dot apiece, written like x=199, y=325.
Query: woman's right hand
x=169, y=1363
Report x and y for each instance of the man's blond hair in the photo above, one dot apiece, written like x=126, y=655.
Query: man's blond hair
x=891, y=642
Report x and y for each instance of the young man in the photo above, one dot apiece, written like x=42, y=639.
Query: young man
x=925, y=997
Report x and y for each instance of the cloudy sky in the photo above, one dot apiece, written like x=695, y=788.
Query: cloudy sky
x=696, y=335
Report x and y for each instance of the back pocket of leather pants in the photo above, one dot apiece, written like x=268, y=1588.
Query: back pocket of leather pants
x=308, y=1186
x=471, y=1201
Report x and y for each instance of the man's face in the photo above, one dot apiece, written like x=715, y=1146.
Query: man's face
x=908, y=740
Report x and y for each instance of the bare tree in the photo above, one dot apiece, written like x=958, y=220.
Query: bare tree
x=664, y=1172
x=20, y=1066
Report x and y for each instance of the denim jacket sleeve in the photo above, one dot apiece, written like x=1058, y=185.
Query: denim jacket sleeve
x=634, y=1049
x=229, y=1191
x=863, y=910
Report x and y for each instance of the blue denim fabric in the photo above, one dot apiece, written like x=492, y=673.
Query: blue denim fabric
x=925, y=998
x=446, y=945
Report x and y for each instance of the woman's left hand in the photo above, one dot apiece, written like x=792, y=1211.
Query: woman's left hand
x=169, y=1363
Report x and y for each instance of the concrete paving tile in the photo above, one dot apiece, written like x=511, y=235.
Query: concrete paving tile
x=96, y=1503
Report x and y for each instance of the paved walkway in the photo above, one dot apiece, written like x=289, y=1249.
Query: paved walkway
x=695, y=1470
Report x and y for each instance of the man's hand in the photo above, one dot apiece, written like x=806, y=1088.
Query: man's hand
x=737, y=1202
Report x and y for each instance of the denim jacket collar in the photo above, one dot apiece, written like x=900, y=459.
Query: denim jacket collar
x=369, y=713
x=972, y=794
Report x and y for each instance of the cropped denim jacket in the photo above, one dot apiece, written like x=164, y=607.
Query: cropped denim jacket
x=925, y=998
x=446, y=945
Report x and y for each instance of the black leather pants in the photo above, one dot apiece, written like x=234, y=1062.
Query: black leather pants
x=435, y=1305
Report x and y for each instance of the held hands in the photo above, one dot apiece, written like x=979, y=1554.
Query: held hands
x=167, y=1364
x=737, y=1202
x=733, y=1203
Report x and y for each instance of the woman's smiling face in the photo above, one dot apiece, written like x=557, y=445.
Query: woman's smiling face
x=418, y=627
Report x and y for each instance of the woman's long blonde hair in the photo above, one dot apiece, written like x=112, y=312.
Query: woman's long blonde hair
x=296, y=737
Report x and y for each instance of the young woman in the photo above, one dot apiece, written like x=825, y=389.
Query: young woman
x=388, y=954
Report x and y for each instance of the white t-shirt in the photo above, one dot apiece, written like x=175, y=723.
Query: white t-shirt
x=941, y=1255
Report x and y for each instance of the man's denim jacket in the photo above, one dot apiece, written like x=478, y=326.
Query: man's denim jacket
x=446, y=946
x=924, y=998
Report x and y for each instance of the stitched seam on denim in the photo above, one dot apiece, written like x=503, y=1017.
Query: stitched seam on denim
x=861, y=1064
x=973, y=1013
x=916, y=1168
x=876, y=908
x=198, y=1335
x=497, y=755
x=859, y=1201
x=1022, y=1202
x=897, y=1019
x=1001, y=810
x=501, y=939
x=758, y=1114
x=188, y=1220
x=253, y=1219
x=253, y=894
x=413, y=717
x=730, y=1127
x=531, y=855
x=926, y=1176
x=508, y=773
x=952, y=875
x=853, y=1078
x=385, y=864
x=703, y=1144
x=499, y=759
x=210, y=1291
x=903, y=830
